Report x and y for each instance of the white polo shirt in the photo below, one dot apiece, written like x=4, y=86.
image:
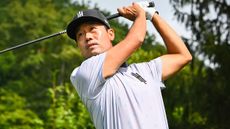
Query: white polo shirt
x=130, y=99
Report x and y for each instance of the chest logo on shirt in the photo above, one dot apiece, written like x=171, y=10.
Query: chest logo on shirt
x=139, y=77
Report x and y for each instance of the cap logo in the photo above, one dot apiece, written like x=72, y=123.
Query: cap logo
x=80, y=14
x=106, y=21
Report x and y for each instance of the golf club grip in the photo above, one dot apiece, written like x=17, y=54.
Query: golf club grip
x=113, y=16
x=151, y=4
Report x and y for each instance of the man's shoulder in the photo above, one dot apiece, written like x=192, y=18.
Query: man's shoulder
x=93, y=59
x=93, y=63
x=155, y=61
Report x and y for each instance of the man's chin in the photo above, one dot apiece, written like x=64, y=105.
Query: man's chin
x=91, y=54
x=94, y=53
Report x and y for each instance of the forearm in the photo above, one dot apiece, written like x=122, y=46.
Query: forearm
x=133, y=40
x=137, y=32
x=178, y=55
x=173, y=42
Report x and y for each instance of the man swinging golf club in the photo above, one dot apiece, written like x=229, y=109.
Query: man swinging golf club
x=118, y=96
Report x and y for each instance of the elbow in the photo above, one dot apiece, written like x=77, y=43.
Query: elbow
x=188, y=58
x=136, y=37
x=140, y=39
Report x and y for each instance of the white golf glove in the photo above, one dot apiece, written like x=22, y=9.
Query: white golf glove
x=149, y=9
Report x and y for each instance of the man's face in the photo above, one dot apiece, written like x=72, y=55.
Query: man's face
x=93, y=38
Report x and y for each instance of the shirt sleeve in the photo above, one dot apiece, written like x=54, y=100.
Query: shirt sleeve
x=87, y=78
x=155, y=66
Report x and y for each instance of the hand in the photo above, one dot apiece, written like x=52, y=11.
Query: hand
x=131, y=12
x=150, y=11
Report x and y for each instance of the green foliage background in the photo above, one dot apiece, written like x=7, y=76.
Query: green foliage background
x=35, y=90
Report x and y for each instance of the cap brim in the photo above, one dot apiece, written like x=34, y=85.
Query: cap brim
x=71, y=28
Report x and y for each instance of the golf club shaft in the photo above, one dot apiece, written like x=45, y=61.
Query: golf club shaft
x=32, y=41
x=151, y=4
x=48, y=36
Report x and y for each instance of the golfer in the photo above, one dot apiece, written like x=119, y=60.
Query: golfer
x=117, y=95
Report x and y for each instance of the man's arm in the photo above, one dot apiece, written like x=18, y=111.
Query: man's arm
x=178, y=55
x=118, y=54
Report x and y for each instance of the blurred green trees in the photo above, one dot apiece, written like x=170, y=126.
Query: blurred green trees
x=208, y=99
x=35, y=90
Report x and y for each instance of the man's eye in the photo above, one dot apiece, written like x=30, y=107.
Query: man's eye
x=93, y=28
x=79, y=34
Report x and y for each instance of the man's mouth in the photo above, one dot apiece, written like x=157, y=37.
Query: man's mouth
x=90, y=45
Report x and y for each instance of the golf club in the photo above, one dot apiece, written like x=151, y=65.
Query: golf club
x=151, y=4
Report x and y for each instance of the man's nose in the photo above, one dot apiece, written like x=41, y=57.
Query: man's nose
x=88, y=36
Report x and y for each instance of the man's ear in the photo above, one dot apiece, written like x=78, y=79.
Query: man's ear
x=111, y=34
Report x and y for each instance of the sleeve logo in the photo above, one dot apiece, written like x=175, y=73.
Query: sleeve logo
x=139, y=77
